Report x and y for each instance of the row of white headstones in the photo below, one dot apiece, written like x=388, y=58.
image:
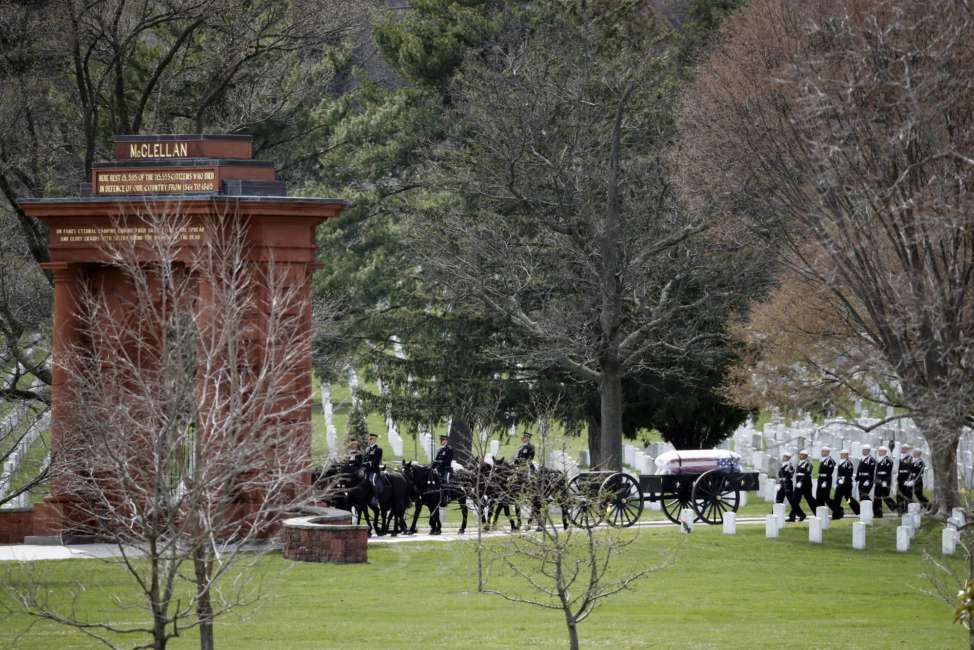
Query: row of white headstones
x=906, y=531
x=11, y=426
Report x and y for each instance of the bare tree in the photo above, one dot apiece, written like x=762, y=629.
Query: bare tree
x=841, y=132
x=568, y=569
x=189, y=436
x=566, y=225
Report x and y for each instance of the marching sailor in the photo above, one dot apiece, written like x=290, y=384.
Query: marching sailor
x=786, y=489
x=525, y=454
x=916, y=476
x=826, y=467
x=803, y=485
x=843, y=486
x=884, y=483
x=373, y=464
x=904, y=493
x=865, y=473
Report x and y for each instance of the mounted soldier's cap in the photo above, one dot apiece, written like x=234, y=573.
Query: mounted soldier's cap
x=373, y=435
x=844, y=451
x=906, y=446
x=826, y=448
x=883, y=449
x=867, y=448
x=525, y=434
x=803, y=452
x=444, y=436
x=786, y=454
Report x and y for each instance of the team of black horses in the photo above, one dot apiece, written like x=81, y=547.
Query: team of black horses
x=490, y=488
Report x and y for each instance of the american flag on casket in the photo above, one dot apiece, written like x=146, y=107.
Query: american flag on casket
x=697, y=461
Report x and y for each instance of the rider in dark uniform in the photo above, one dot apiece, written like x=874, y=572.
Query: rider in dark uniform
x=373, y=464
x=442, y=464
x=443, y=461
x=904, y=493
x=823, y=488
x=843, y=486
x=354, y=455
x=525, y=454
x=884, y=483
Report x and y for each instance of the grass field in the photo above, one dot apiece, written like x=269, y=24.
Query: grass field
x=723, y=592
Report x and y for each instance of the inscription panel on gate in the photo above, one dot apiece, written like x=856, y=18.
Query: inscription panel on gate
x=156, y=181
x=91, y=234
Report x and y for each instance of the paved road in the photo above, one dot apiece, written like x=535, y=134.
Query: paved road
x=30, y=553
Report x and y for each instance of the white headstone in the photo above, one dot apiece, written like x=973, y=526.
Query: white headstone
x=743, y=500
x=686, y=518
x=912, y=507
x=814, y=530
x=770, y=488
x=779, y=513
x=858, y=535
x=956, y=513
x=495, y=446
x=903, y=538
x=948, y=540
x=730, y=523
x=866, y=512
x=771, y=526
x=822, y=512
x=655, y=505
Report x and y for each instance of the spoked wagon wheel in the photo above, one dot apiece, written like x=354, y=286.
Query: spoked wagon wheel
x=672, y=505
x=584, y=502
x=714, y=493
x=624, y=501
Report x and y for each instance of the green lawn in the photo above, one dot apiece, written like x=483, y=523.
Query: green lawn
x=723, y=592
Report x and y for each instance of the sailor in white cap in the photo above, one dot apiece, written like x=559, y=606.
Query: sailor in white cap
x=786, y=485
x=904, y=492
x=884, y=483
x=826, y=467
x=843, y=486
x=803, y=486
x=865, y=473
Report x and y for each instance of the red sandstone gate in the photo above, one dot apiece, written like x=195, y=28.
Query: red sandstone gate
x=201, y=177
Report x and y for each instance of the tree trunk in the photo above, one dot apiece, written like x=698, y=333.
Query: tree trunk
x=594, y=442
x=943, y=459
x=204, y=606
x=572, y=632
x=610, y=392
x=461, y=439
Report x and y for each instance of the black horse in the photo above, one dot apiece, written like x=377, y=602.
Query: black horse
x=349, y=488
x=427, y=490
x=516, y=485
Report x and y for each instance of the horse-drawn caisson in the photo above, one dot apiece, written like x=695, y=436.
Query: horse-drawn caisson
x=707, y=482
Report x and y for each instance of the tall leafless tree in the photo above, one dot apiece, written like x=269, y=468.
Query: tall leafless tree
x=843, y=133
x=189, y=436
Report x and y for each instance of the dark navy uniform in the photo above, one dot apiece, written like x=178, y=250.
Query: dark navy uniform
x=824, y=487
x=443, y=462
x=904, y=493
x=843, y=489
x=373, y=457
x=373, y=465
x=786, y=489
x=525, y=454
x=865, y=476
x=354, y=459
x=803, y=488
x=916, y=478
x=884, y=484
